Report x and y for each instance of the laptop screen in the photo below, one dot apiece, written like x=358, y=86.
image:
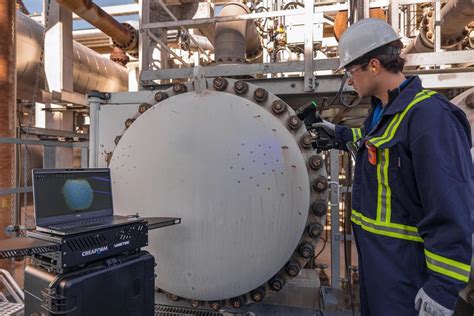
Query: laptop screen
x=62, y=195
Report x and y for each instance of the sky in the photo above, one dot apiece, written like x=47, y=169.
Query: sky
x=36, y=6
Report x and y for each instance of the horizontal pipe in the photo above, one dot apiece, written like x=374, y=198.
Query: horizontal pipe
x=90, y=70
x=123, y=35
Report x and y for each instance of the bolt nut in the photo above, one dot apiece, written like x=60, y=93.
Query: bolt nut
x=220, y=84
x=179, y=88
x=236, y=302
x=316, y=162
x=315, y=230
x=215, y=305
x=470, y=101
x=276, y=283
x=307, y=141
x=160, y=96
x=241, y=87
x=260, y=95
x=258, y=294
x=117, y=139
x=319, y=207
x=320, y=184
x=278, y=106
x=306, y=250
x=174, y=297
x=429, y=35
x=195, y=304
x=430, y=14
x=292, y=268
x=129, y=122
x=294, y=122
x=143, y=107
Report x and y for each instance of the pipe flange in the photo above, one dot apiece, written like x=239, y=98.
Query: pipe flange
x=132, y=44
x=314, y=165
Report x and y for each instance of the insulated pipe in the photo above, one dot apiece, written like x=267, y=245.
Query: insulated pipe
x=123, y=35
x=236, y=41
x=455, y=16
x=7, y=109
x=90, y=70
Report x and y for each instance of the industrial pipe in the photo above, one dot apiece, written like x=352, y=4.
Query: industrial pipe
x=7, y=109
x=236, y=41
x=90, y=70
x=123, y=35
x=455, y=16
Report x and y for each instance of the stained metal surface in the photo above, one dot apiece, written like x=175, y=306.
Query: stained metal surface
x=90, y=70
x=235, y=173
x=123, y=35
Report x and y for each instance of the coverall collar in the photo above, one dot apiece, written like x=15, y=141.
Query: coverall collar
x=398, y=101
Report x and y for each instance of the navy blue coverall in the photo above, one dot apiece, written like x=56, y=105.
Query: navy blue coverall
x=413, y=199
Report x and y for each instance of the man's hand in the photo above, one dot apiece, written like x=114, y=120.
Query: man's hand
x=428, y=307
x=325, y=135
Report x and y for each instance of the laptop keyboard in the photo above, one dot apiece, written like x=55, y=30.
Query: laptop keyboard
x=83, y=223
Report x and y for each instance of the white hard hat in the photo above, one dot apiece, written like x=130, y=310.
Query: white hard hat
x=362, y=37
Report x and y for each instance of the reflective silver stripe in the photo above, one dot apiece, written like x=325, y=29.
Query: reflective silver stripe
x=382, y=202
x=447, y=267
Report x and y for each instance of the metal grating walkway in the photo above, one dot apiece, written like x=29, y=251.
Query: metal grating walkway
x=165, y=310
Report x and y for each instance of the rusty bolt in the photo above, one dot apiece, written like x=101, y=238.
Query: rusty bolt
x=426, y=29
x=429, y=35
x=174, y=297
x=315, y=230
x=220, y=84
x=276, y=283
x=216, y=305
x=307, y=141
x=426, y=21
x=320, y=184
x=430, y=14
x=179, y=88
x=315, y=162
x=160, y=96
x=260, y=95
x=143, y=107
x=278, y=106
x=292, y=268
x=470, y=101
x=294, y=122
x=306, y=250
x=195, y=304
x=258, y=294
x=241, y=87
x=319, y=207
x=129, y=122
x=117, y=139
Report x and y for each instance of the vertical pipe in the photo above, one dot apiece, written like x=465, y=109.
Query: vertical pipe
x=335, y=240
x=7, y=108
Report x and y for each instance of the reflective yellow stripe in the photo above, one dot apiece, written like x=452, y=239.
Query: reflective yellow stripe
x=386, y=229
x=454, y=269
x=384, y=193
x=356, y=134
x=398, y=118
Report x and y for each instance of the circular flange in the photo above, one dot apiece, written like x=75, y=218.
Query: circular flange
x=239, y=178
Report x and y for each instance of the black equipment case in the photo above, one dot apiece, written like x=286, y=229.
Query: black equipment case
x=121, y=285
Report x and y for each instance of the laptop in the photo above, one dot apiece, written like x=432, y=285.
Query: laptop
x=73, y=201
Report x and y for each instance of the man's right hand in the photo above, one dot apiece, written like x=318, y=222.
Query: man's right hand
x=325, y=137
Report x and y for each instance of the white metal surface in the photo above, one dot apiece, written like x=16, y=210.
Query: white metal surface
x=234, y=174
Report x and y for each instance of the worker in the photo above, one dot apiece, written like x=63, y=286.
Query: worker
x=412, y=194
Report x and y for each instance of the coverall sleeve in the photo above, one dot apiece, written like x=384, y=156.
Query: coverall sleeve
x=439, y=136
x=346, y=134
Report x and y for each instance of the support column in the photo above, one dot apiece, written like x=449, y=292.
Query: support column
x=58, y=65
x=7, y=110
